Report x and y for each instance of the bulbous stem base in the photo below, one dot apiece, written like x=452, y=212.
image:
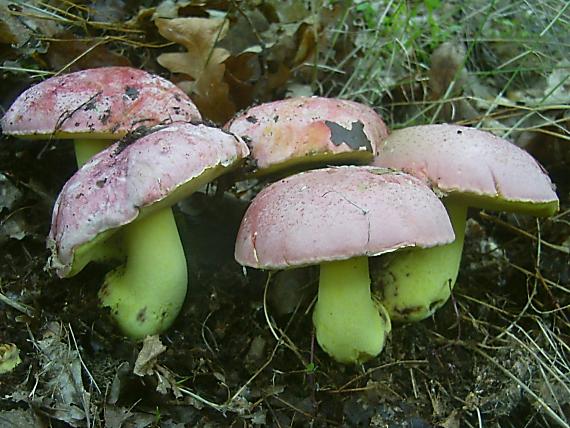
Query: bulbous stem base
x=146, y=294
x=349, y=325
x=416, y=282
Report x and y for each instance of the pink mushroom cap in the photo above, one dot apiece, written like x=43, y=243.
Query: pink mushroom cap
x=105, y=102
x=484, y=170
x=282, y=133
x=126, y=179
x=338, y=213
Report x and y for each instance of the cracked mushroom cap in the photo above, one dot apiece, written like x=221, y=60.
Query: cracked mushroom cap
x=484, y=170
x=299, y=130
x=105, y=102
x=339, y=213
x=128, y=178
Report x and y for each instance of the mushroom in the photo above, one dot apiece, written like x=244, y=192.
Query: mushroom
x=336, y=218
x=467, y=167
x=299, y=133
x=129, y=187
x=95, y=107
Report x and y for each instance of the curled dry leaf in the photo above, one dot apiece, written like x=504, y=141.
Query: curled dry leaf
x=147, y=365
x=447, y=67
x=12, y=31
x=18, y=24
x=58, y=390
x=202, y=62
x=198, y=36
x=146, y=360
x=447, y=79
x=9, y=357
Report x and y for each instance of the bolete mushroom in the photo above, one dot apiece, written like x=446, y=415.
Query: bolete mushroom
x=304, y=132
x=467, y=167
x=336, y=218
x=130, y=186
x=96, y=107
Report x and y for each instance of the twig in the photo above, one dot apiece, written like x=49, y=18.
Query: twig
x=374, y=369
x=91, y=378
x=524, y=233
x=25, y=309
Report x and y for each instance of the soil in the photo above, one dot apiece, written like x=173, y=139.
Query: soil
x=432, y=373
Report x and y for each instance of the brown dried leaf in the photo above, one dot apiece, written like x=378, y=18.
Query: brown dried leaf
x=146, y=365
x=20, y=21
x=170, y=8
x=289, y=11
x=81, y=54
x=306, y=45
x=111, y=10
x=198, y=36
x=12, y=31
x=146, y=360
x=447, y=66
x=19, y=418
x=244, y=34
x=58, y=391
x=278, y=78
x=167, y=382
x=18, y=24
x=212, y=95
x=203, y=63
x=242, y=73
x=125, y=417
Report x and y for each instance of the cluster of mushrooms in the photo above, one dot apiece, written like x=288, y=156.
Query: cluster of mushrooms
x=141, y=147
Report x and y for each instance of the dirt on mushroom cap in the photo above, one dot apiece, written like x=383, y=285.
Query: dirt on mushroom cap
x=458, y=159
x=117, y=183
x=279, y=131
x=339, y=213
x=102, y=102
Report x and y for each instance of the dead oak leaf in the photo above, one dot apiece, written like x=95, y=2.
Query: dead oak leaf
x=198, y=36
x=203, y=62
x=211, y=94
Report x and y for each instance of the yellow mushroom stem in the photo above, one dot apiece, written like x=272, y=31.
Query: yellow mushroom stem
x=86, y=148
x=349, y=325
x=418, y=281
x=147, y=292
